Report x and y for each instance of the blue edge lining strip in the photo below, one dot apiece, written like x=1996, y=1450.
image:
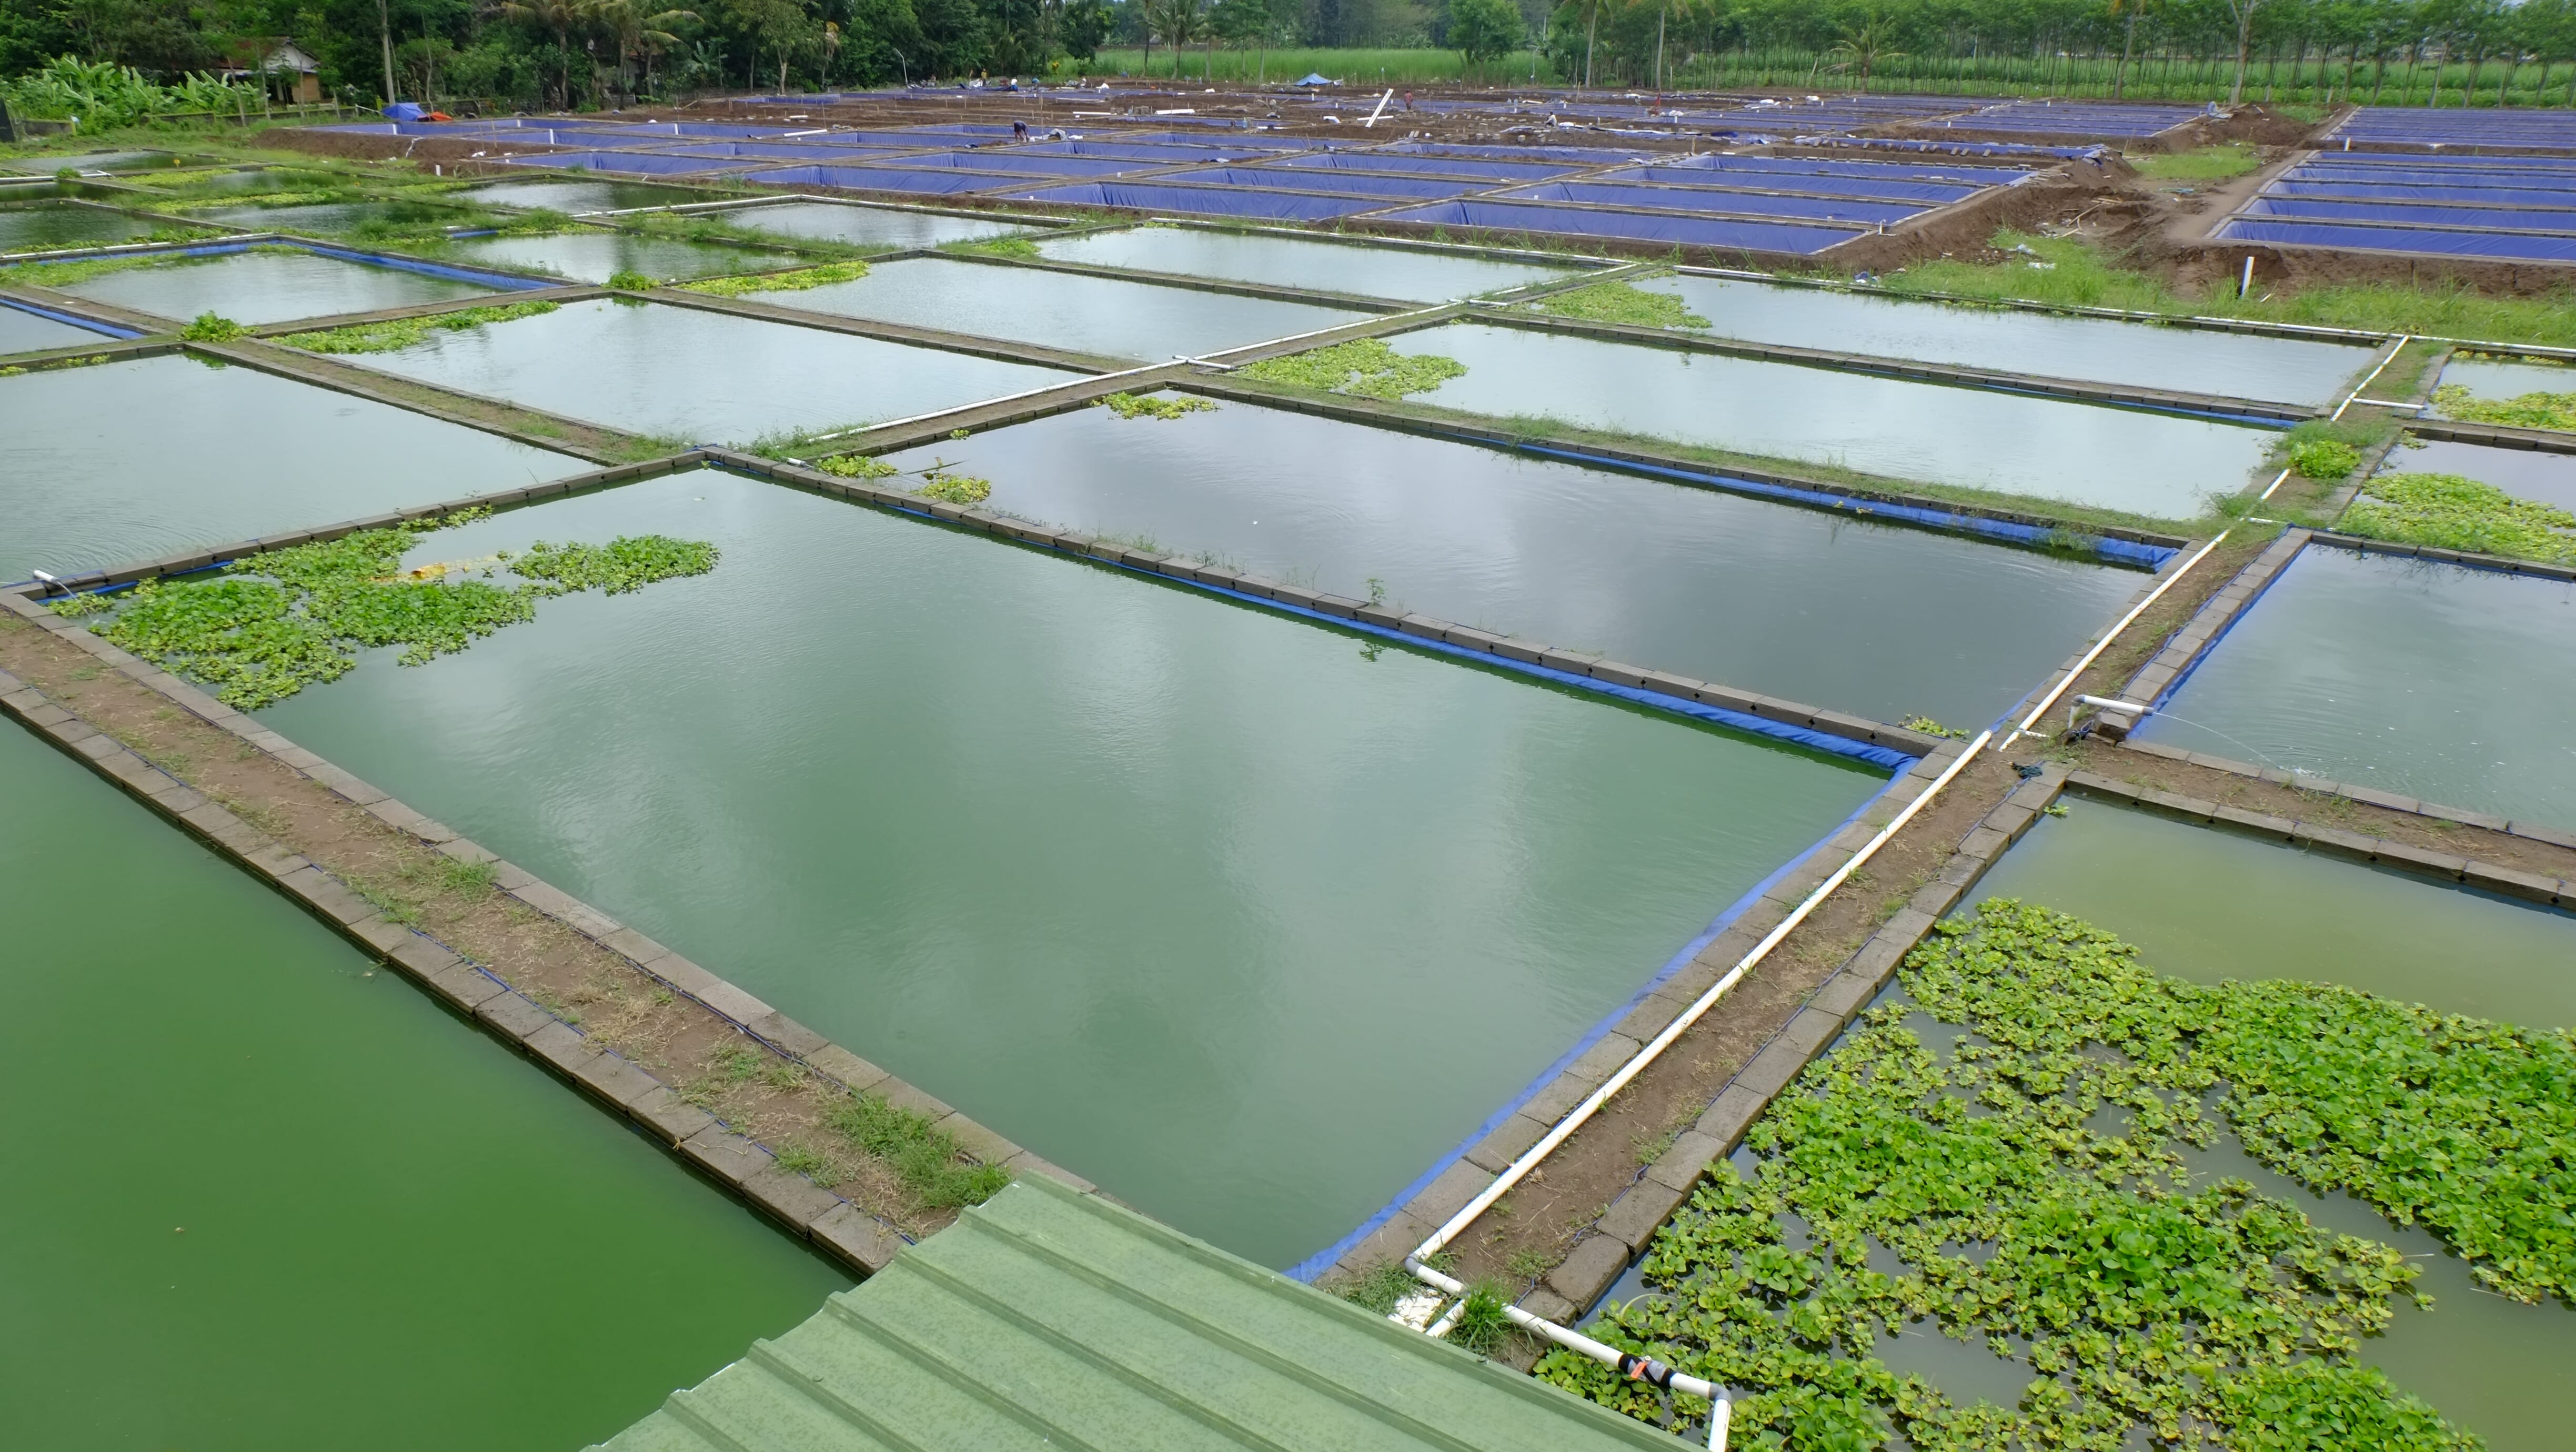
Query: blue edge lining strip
x=498, y=280
x=91, y=324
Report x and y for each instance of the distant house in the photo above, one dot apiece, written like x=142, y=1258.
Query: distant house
x=283, y=63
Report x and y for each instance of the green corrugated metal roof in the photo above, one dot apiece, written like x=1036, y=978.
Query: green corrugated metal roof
x=1048, y=1318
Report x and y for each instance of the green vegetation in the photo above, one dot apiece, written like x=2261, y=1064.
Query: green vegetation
x=75, y=271
x=1366, y=367
x=1617, y=302
x=268, y=627
x=796, y=280
x=2209, y=163
x=2323, y=458
x=1481, y=1323
x=387, y=337
x=1020, y=247
x=210, y=327
x=2215, y=1315
x=1130, y=405
x=856, y=466
x=2449, y=512
x=626, y=279
x=955, y=488
x=105, y=95
x=1381, y=1288
x=1930, y=727
x=2529, y=411
x=926, y=1158
x=2083, y=275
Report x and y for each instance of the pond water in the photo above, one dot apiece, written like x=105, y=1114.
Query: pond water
x=1365, y=271
x=267, y=287
x=1088, y=314
x=2139, y=355
x=55, y=226
x=1651, y=573
x=679, y=372
x=2212, y=905
x=594, y=256
x=1180, y=894
x=25, y=332
x=294, y=1203
x=2432, y=681
x=579, y=196
x=2508, y=380
x=42, y=165
x=2150, y=464
x=248, y=179
x=325, y=218
x=863, y=226
x=229, y=454
x=2526, y=473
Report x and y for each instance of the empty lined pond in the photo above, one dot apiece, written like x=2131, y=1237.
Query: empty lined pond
x=1346, y=267
x=1086, y=314
x=2151, y=464
x=1655, y=574
x=230, y=454
x=1162, y=887
x=294, y=1203
x=684, y=373
x=2433, y=681
x=2093, y=350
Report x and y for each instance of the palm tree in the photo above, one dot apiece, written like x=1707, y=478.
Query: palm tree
x=635, y=33
x=562, y=17
x=1865, y=46
x=1177, y=22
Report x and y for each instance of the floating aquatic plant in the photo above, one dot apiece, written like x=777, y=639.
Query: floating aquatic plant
x=212, y=327
x=399, y=333
x=857, y=466
x=2527, y=411
x=2452, y=512
x=1621, y=304
x=796, y=280
x=2323, y=458
x=1366, y=367
x=1131, y=405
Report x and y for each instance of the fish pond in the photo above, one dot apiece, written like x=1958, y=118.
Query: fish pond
x=1095, y=315
x=308, y=1207
x=1652, y=573
x=2093, y=350
x=2433, y=681
x=1164, y=887
x=230, y=453
x=1346, y=267
x=2525, y=473
x=672, y=371
x=22, y=331
x=269, y=285
x=326, y=218
x=2498, y=379
x=594, y=256
x=863, y=226
x=577, y=197
x=58, y=226
x=2149, y=464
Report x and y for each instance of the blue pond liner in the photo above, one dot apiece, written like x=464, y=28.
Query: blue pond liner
x=890, y=178
x=1927, y=193
x=1971, y=176
x=1166, y=196
x=1455, y=166
x=2299, y=186
x=1708, y=201
x=1359, y=184
x=2503, y=246
x=635, y=162
x=1507, y=216
x=497, y=281
x=2501, y=219
x=91, y=324
x=1581, y=155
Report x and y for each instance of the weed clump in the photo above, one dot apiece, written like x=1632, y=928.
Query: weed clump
x=956, y=489
x=270, y=626
x=2324, y=458
x=796, y=280
x=1019, y=247
x=2528, y=411
x=926, y=1158
x=626, y=279
x=1130, y=405
x=387, y=337
x=1366, y=367
x=2451, y=512
x=857, y=466
x=212, y=327
x=1621, y=304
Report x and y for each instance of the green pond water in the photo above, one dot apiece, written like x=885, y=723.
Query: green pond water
x=2211, y=905
x=330, y=217
x=267, y=287
x=2434, y=681
x=261, y=1197
x=55, y=226
x=1196, y=900
x=2508, y=380
x=2144, y=463
x=594, y=256
x=2527, y=473
x=1386, y=272
x=579, y=196
x=248, y=179
x=228, y=454
x=2093, y=350
x=700, y=376
x=863, y=226
x=1651, y=573
x=1087, y=314
x=26, y=332
x=43, y=165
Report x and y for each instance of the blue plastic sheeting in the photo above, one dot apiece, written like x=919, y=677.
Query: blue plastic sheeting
x=1973, y=176
x=1356, y=184
x=1703, y=201
x=2561, y=221
x=2362, y=163
x=1960, y=148
x=2411, y=125
x=2499, y=245
x=634, y=162
x=90, y=324
x=1586, y=155
x=695, y=128
x=1159, y=196
x=2356, y=191
x=2079, y=119
x=760, y=151
x=1687, y=231
x=1150, y=153
x=478, y=277
x=1494, y=172
x=883, y=179
x=1925, y=192
x=2535, y=181
x=1264, y=142
x=1015, y=164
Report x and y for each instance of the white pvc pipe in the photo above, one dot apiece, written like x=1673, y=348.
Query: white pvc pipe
x=1381, y=107
x=1635, y=1368
x=2367, y=381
